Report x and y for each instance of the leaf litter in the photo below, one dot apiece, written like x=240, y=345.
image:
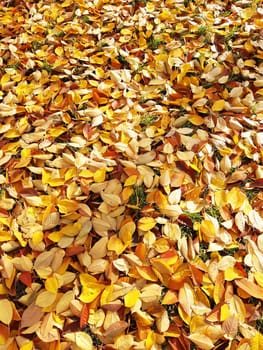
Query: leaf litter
x=131, y=172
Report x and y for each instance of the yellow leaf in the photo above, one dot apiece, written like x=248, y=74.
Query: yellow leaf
x=232, y=273
x=126, y=193
x=106, y=295
x=224, y=312
x=100, y=175
x=161, y=245
x=86, y=173
x=59, y=51
x=90, y=292
x=126, y=232
x=218, y=105
x=6, y=314
x=12, y=133
x=236, y=198
x=260, y=92
x=66, y=206
x=116, y=245
x=70, y=173
x=56, y=236
x=131, y=180
x=259, y=278
x=150, y=6
x=196, y=119
x=56, y=182
x=220, y=198
x=27, y=346
x=90, y=288
x=131, y=298
x=57, y=131
x=247, y=13
x=71, y=230
x=257, y=342
x=37, y=237
x=51, y=284
x=219, y=289
x=161, y=266
x=126, y=31
x=147, y=273
x=5, y=236
x=146, y=223
x=150, y=340
x=45, y=176
x=208, y=230
x=184, y=69
x=5, y=79
x=183, y=315
x=3, y=289
x=164, y=15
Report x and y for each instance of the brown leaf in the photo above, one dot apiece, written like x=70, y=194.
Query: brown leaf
x=230, y=327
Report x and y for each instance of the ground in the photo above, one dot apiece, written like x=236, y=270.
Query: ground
x=131, y=209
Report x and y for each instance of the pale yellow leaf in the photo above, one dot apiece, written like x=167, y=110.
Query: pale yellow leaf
x=202, y=341
x=45, y=299
x=6, y=311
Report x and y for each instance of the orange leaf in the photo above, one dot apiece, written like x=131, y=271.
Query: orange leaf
x=140, y=251
x=250, y=287
x=4, y=334
x=147, y=273
x=170, y=298
x=84, y=316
